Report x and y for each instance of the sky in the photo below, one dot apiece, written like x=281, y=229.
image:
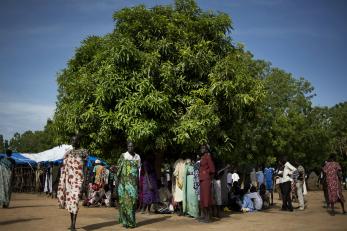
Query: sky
x=37, y=38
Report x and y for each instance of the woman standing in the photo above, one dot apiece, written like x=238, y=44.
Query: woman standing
x=333, y=175
x=7, y=165
x=128, y=176
x=178, y=184
x=206, y=173
x=150, y=187
x=71, y=179
x=190, y=198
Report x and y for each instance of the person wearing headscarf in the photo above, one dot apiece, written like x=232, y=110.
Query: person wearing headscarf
x=99, y=174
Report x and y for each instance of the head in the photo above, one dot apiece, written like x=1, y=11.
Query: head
x=113, y=168
x=253, y=189
x=9, y=152
x=130, y=147
x=262, y=189
x=332, y=157
x=197, y=157
x=204, y=149
x=284, y=159
x=75, y=141
x=246, y=188
x=97, y=162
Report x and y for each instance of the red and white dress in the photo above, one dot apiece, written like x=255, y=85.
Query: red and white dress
x=71, y=179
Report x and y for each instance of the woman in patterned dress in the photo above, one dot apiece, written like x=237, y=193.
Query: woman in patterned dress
x=128, y=175
x=71, y=179
x=333, y=175
x=7, y=164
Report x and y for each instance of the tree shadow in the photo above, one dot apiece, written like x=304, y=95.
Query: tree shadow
x=111, y=223
x=30, y=206
x=9, y=222
x=151, y=221
x=100, y=225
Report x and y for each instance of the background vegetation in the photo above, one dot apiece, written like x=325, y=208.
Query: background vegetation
x=170, y=78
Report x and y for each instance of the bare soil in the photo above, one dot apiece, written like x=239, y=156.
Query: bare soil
x=37, y=212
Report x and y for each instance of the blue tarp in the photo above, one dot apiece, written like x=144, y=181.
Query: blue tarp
x=21, y=159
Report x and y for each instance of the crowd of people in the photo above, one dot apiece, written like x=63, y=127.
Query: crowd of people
x=199, y=187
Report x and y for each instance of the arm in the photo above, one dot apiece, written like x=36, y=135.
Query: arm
x=211, y=167
x=119, y=166
x=290, y=167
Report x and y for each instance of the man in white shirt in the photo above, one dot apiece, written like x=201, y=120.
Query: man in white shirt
x=286, y=183
x=235, y=176
x=231, y=178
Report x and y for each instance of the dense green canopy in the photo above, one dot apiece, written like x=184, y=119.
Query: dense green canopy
x=170, y=78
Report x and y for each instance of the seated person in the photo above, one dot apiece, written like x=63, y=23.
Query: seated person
x=255, y=197
x=235, y=195
x=97, y=196
x=164, y=206
x=107, y=196
x=265, y=196
x=247, y=205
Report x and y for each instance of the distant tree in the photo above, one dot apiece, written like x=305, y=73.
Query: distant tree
x=2, y=144
x=6, y=145
x=33, y=142
x=338, y=129
x=15, y=142
x=287, y=124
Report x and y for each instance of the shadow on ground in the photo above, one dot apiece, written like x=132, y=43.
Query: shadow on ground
x=31, y=206
x=151, y=221
x=100, y=225
x=9, y=222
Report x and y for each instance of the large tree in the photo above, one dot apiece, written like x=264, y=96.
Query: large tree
x=168, y=78
x=287, y=124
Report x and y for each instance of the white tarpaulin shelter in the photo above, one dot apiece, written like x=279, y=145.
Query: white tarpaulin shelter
x=54, y=154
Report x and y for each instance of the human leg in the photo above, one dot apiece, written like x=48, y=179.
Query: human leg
x=299, y=188
x=284, y=199
x=342, y=206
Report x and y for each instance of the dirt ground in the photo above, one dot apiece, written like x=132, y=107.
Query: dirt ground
x=37, y=212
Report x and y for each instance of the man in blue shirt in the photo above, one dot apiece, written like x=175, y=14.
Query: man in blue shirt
x=268, y=173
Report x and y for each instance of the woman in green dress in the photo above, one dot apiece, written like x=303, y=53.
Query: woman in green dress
x=128, y=175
